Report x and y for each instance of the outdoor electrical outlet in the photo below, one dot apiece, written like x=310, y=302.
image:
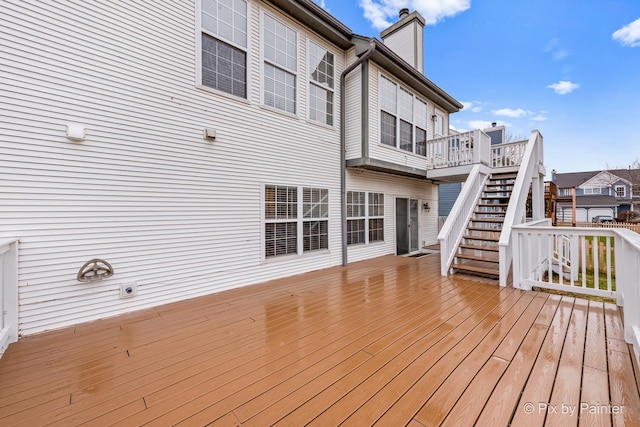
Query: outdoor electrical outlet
x=128, y=290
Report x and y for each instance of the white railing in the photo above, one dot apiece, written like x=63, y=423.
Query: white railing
x=510, y=154
x=460, y=149
x=530, y=173
x=8, y=292
x=461, y=212
x=592, y=261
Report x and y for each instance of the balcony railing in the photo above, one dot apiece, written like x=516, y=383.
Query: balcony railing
x=509, y=154
x=592, y=261
x=8, y=292
x=461, y=149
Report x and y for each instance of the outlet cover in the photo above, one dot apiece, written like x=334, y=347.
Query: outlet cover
x=128, y=290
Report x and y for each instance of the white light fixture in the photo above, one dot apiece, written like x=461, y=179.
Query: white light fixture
x=76, y=133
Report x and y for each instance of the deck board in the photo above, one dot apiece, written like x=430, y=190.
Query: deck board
x=386, y=341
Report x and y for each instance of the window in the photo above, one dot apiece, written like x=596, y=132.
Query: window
x=376, y=217
x=355, y=217
x=365, y=217
x=592, y=190
x=321, y=81
x=420, y=121
x=403, y=118
x=280, y=212
x=620, y=191
x=280, y=47
x=286, y=219
x=315, y=232
x=224, y=45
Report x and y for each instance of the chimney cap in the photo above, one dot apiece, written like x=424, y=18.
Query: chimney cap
x=494, y=124
x=403, y=12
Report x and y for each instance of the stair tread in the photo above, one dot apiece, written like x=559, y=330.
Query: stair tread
x=479, y=248
x=496, y=205
x=489, y=239
x=490, y=230
x=475, y=269
x=489, y=220
x=476, y=258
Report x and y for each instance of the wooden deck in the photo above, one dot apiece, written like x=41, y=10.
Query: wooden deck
x=385, y=341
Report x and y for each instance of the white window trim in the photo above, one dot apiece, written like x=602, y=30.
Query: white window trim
x=247, y=50
x=398, y=118
x=263, y=60
x=624, y=191
x=367, y=217
x=311, y=82
x=299, y=223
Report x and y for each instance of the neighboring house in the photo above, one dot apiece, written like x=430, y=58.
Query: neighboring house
x=205, y=145
x=608, y=192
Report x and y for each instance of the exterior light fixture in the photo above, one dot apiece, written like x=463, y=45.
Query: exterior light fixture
x=426, y=206
x=76, y=133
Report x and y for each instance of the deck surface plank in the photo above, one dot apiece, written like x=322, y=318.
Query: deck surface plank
x=386, y=341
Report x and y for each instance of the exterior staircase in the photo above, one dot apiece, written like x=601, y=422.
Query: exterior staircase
x=477, y=253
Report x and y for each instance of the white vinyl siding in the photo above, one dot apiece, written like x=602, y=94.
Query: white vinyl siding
x=280, y=50
x=223, y=46
x=179, y=215
x=438, y=123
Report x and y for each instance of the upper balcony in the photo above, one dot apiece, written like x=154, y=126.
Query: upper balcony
x=445, y=159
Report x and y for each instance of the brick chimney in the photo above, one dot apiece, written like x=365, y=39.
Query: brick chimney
x=406, y=38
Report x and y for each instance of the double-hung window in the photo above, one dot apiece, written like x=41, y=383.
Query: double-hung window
x=290, y=212
x=365, y=217
x=281, y=220
x=388, y=113
x=224, y=45
x=280, y=50
x=620, y=191
x=321, y=82
x=315, y=226
x=403, y=118
x=356, y=217
x=376, y=217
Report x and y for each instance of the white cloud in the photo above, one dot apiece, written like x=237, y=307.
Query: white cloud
x=382, y=13
x=560, y=54
x=629, y=35
x=539, y=118
x=509, y=112
x=471, y=106
x=557, y=53
x=479, y=124
x=563, y=87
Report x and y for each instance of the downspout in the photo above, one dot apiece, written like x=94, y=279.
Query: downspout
x=343, y=147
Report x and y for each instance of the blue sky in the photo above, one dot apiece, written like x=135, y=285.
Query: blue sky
x=569, y=68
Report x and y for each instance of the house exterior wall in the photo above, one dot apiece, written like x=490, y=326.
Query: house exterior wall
x=353, y=110
x=395, y=186
x=402, y=42
x=379, y=151
x=179, y=215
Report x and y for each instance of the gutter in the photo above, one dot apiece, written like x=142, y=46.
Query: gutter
x=343, y=147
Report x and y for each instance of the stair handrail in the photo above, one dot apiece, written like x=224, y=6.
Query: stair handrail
x=453, y=229
x=531, y=164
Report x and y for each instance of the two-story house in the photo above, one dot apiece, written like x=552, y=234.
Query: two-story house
x=154, y=153
x=608, y=192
